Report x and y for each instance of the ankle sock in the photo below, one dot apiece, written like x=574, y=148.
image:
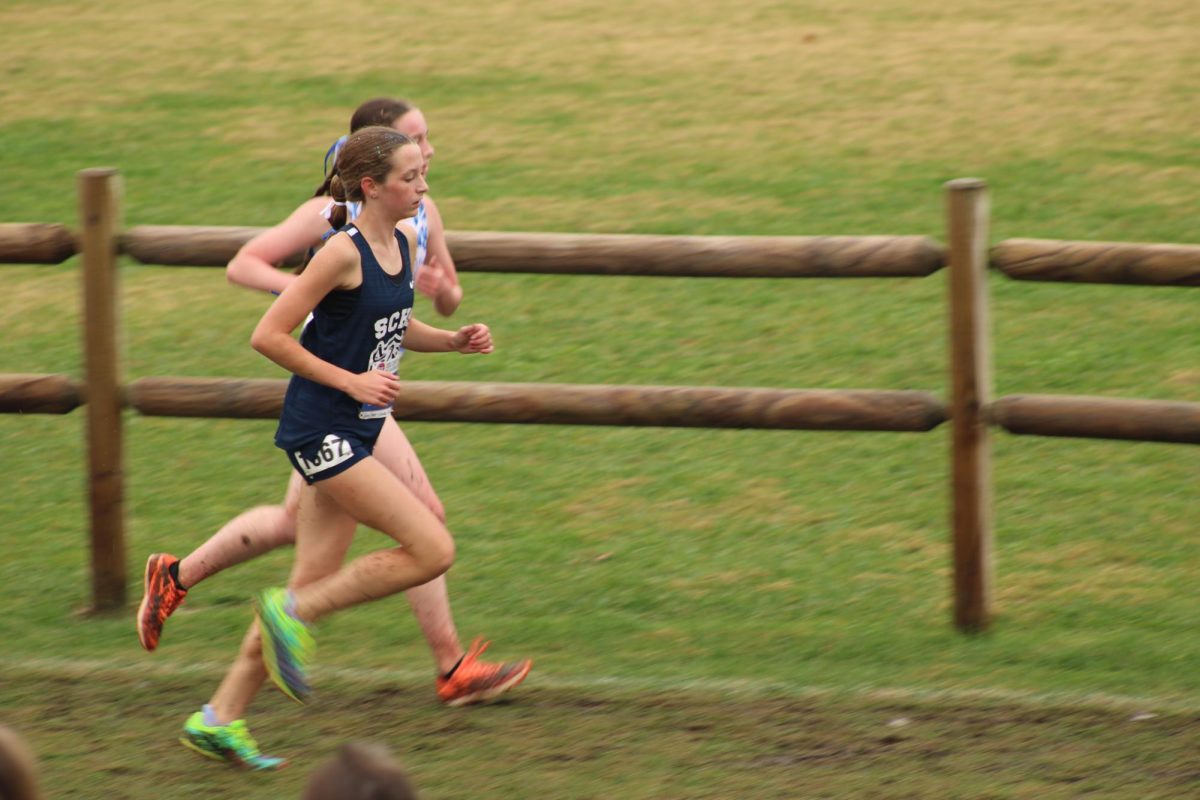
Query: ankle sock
x=453, y=669
x=174, y=570
x=289, y=606
x=210, y=717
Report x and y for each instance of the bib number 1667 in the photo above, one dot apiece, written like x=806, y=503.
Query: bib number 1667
x=333, y=451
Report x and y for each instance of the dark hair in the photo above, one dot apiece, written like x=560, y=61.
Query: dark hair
x=379, y=111
x=366, y=154
x=359, y=772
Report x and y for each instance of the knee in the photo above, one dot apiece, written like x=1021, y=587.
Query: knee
x=441, y=556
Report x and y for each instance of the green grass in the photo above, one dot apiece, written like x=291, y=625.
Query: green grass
x=712, y=613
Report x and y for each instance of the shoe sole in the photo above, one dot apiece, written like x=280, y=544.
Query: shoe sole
x=487, y=694
x=195, y=748
x=142, y=606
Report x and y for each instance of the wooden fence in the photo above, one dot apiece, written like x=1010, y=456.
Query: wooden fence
x=970, y=410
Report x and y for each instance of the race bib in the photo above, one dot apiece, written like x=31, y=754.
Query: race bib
x=333, y=451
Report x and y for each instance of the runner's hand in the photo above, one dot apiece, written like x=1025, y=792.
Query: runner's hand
x=430, y=278
x=474, y=338
x=377, y=387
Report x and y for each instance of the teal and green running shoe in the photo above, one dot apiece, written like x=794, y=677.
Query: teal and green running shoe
x=230, y=743
x=288, y=647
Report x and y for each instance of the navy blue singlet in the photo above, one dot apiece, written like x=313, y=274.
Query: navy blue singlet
x=358, y=330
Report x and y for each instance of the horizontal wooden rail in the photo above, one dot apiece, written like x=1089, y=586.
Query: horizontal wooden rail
x=36, y=243
x=39, y=394
x=188, y=245
x=571, y=404
x=228, y=398
x=1098, y=417
x=601, y=254
x=698, y=256
x=1098, y=262
x=664, y=406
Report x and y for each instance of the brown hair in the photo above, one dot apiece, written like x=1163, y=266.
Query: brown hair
x=18, y=772
x=359, y=772
x=366, y=154
x=379, y=111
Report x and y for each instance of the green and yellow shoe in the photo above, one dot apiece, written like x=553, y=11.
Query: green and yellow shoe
x=230, y=743
x=288, y=647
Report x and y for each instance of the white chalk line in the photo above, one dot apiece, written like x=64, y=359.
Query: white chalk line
x=746, y=688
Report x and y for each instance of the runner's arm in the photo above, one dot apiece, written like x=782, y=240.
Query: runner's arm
x=449, y=293
x=254, y=265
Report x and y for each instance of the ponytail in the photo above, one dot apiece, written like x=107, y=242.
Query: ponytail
x=365, y=153
x=331, y=187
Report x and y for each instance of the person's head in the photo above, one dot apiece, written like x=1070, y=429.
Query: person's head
x=398, y=114
x=359, y=772
x=18, y=771
x=379, y=165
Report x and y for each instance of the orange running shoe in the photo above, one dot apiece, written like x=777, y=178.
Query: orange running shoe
x=475, y=681
x=161, y=597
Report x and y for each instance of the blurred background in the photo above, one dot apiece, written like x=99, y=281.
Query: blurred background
x=710, y=613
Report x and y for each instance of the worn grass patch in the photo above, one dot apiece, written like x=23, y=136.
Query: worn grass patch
x=612, y=742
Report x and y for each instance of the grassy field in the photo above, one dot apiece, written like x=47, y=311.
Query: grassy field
x=711, y=613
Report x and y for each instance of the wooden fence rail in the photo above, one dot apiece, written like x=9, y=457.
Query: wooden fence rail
x=1098, y=418
x=700, y=256
x=970, y=408
x=693, y=256
x=1098, y=262
x=516, y=403
x=39, y=394
x=601, y=254
x=36, y=243
x=795, y=409
x=571, y=404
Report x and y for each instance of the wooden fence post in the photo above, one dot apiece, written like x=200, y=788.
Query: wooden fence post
x=99, y=220
x=970, y=382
